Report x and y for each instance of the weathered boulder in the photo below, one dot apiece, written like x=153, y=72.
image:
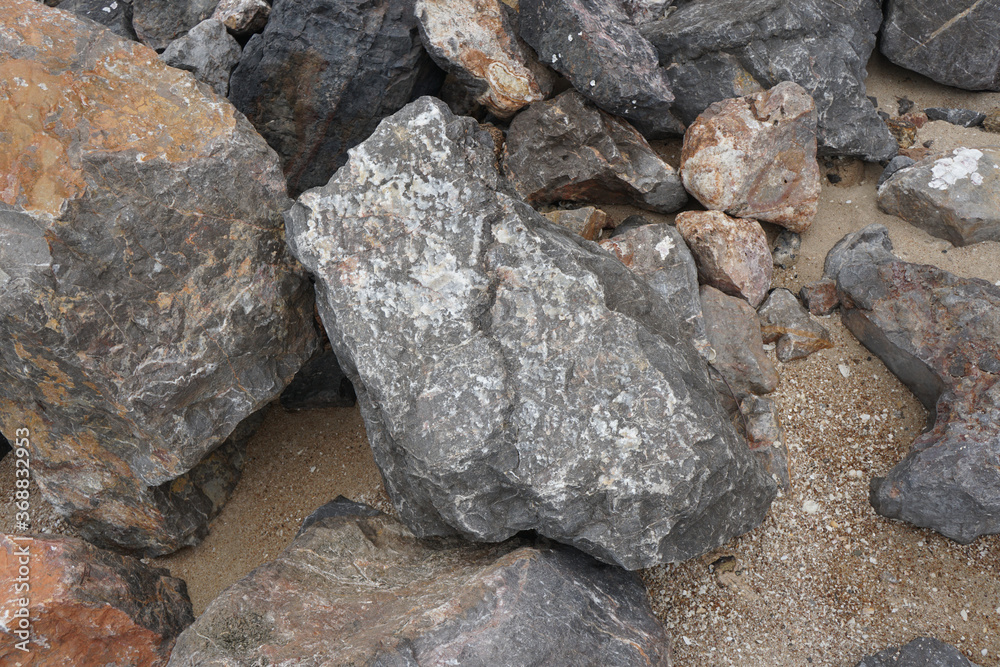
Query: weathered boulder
x=512, y=375
x=783, y=319
x=593, y=44
x=587, y=221
x=208, y=51
x=940, y=335
x=319, y=384
x=159, y=22
x=355, y=588
x=755, y=157
x=953, y=42
x=717, y=49
x=475, y=41
x=766, y=437
x=566, y=149
x=115, y=15
x=954, y=197
x=963, y=117
x=84, y=606
x=734, y=333
x=920, y=652
x=732, y=254
x=242, y=17
x=147, y=299
x=323, y=74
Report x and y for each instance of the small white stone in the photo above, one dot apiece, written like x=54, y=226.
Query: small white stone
x=810, y=507
x=844, y=370
x=865, y=418
x=964, y=614
x=593, y=83
x=570, y=37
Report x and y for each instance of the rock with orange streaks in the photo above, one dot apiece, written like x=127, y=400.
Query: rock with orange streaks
x=148, y=303
x=243, y=17
x=86, y=607
x=587, y=221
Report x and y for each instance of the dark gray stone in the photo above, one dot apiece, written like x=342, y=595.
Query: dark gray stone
x=718, y=49
x=734, y=332
x=338, y=507
x=512, y=375
x=319, y=384
x=895, y=164
x=208, y=51
x=115, y=15
x=593, y=44
x=630, y=223
x=963, y=117
x=323, y=74
x=5, y=447
x=921, y=652
x=953, y=42
x=159, y=22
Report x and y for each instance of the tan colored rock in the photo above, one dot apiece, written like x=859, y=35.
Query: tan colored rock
x=755, y=157
x=785, y=321
x=732, y=254
x=903, y=130
x=242, y=17
x=588, y=221
x=992, y=122
x=87, y=607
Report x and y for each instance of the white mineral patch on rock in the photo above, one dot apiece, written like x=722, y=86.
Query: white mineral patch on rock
x=949, y=170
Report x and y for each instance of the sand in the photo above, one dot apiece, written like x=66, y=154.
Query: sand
x=823, y=581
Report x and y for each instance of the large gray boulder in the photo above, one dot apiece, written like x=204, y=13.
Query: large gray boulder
x=512, y=375
x=208, y=51
x=919, y=652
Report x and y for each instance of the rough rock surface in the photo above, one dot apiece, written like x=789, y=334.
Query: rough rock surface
x=953, y=42
x=242, y=17
x=208, y=51
x=992, y=121
x=940, y=335
x=588, y=221
x=513, y=376
x=566, y=149
x=717, y=49
x=319, y=384
x=731, y=253
x=895, y=164
x=362, y=588
x=820, y=297
x=963, y=117
x=766, y=437
x=785, y=252
x=149, y=304
x=115, y=15
x=159, y=22
x=734, y=332
x=920, y=652
x=783, y=319
x=606, y=58
x=323, y=74
x=954, y=197
x=755, y=157
x=475, y=41
x=87, y=607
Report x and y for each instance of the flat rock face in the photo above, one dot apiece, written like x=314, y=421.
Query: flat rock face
x=208, y=51
x=785, y=320
x=511, y=375
x=159, y=22
x=587, y=221
x=940, y=334
x=148, y=302
x=734, y=332
x=921, y=652
x=475, y=41
x=755, y=157
x=566, y=149
x=360, y=589
x=954, y=197
x=87, y=607
x=717, y=49
x=321, y=76
x=953, y=42
x=593, y=44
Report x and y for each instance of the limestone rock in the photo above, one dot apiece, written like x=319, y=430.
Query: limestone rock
x=512, y=375
x=783, y=319
x=566, y=149
x=323, y=74
x=755, y=157
x=87, y=607
x=940, y=335
x=147, y=299
x=319, y=384
x=717, y=49
x=731, y=253
x=734, y=333
x=208, y=51
x=920, y=652
x=242, y=17
x=115, y=15
x=954, y=197
x=820, y=297
x=593, y=44
x=588, y=221
x=766, y=437
x=953, y=42
x=475, y=41
x=159, y=22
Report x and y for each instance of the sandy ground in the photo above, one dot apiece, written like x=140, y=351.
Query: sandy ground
x=822, y=582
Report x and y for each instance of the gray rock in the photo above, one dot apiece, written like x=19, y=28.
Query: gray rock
x=870, y=244
x=115, y=15
x=734, y=332
x=323, y=74
x=319, y=384
x=512, y=375
x=718, y=49
x=963, y=117
x=593, y=44
x=566, y=149
x=355, y=588
x=798, y=334
x=920, y=652
x=953, y=42
x=208, y=51
x=895, y=164
x=159, y=22
x=766, y=437
x=243, y=17
x=785, y=252
x=630, y=223
x=954, y=197
x=940, y=335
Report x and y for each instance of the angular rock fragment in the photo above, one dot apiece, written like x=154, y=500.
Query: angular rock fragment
x=820, y=297
x=734, y=333
x=115, y=15
x=319, y=384
x=475, y=41
x=755, y=157
x=323, y=74
x=588, y=221
x=953, y=42
x=920, y=652
x=593, y=45
x=903, y=130
x=962, y=117
x=159, y=22
x=148, y=302
x=895, y=164
x=566, y=149
x=785, y=252
x=731, y=253
x=717, y=49
x=208, y=51
x=86, y=606
x=766, y=437
x=511, y=375
x=242, y=17
x=940, y=335
x=783, y=319
x=954, y=197
x=362, y=588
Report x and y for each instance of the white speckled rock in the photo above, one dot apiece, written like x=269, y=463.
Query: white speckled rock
x=512, y=375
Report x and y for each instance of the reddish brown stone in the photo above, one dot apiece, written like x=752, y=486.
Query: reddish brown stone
x=734, y=332
x=820, y=297
x=783, y=319
x=588, y=221
x=903, y=130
